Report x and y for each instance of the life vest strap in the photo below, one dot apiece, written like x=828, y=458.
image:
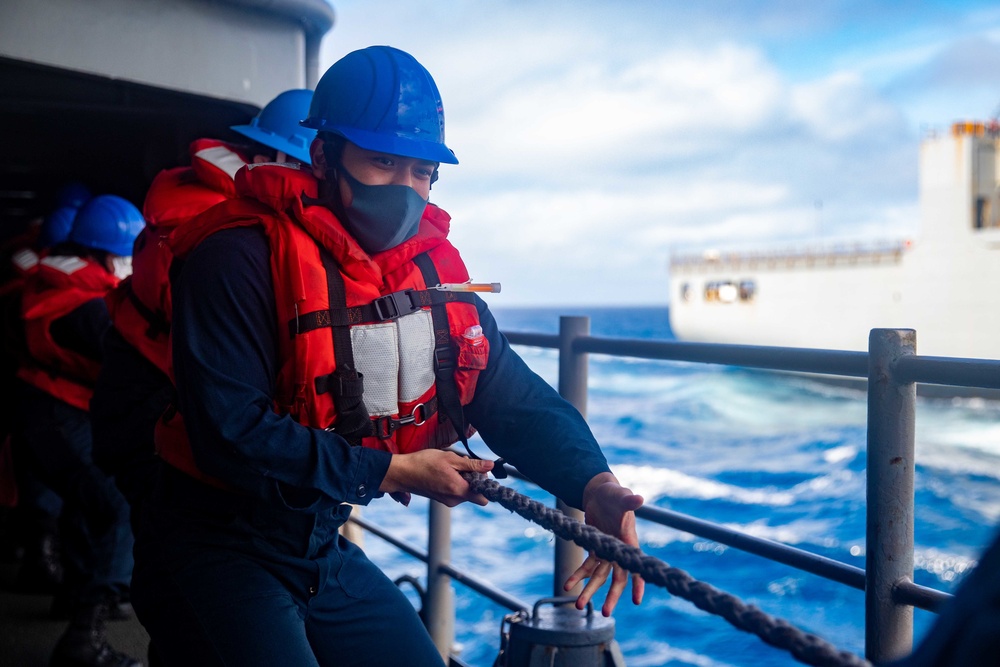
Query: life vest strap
x=158, y=323
x=383, y=309
x=341, y=383
x=346, y=383
x=446, y=361
x=387, y=425
x=444, y=353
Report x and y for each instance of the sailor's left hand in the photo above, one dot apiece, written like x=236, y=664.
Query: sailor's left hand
x=609, y=507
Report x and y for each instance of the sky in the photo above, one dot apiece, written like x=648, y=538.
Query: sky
x=595, y=139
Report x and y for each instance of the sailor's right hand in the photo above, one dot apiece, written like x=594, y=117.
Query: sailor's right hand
x=434, y=474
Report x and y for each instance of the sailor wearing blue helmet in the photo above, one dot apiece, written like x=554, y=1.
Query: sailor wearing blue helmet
x=65, y=317
x=134, y=386
x=306, y=384
x=277, y=126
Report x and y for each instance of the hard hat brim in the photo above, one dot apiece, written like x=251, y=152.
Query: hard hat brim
x=300, y=153
x=385, y=143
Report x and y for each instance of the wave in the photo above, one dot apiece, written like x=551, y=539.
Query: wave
x=654, y=483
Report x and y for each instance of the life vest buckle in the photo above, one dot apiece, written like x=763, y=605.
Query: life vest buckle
x=395, y=305
x=444, y=359
x=385, y=426
x=418, y=421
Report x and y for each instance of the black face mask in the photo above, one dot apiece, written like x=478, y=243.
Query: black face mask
x=382, y=216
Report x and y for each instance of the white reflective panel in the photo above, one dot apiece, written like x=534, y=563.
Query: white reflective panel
x=223, y=158
x=376, y=356
x=416, y=353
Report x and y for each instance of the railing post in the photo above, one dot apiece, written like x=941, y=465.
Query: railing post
x=572, y=387
x=889, y=533
x=440, y=602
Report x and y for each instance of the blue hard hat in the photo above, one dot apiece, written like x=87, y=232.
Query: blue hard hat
x=382, y=99
x=56, y=226
x=108, y=223
x=277, y=125
x=73, y=194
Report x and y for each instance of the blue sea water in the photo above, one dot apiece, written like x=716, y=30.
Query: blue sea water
x=778, y=456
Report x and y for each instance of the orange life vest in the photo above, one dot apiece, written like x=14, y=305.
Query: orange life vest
x=353, y=328
x=140, y=307
x=22, y=264
x=60, y=285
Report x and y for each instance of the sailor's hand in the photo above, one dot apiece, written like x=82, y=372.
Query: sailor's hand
x=434, y=474
x=609, y=507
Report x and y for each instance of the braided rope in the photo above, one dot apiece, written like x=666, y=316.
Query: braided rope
x=804, y=647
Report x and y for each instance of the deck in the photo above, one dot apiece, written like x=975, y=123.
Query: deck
x=27, y=635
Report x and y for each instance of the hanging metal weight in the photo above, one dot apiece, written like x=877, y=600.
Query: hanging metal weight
x=560, y=635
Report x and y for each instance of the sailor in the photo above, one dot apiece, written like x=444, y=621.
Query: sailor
x=134, y=387
x=305, y=324
x=65, y=317
x=35, y=510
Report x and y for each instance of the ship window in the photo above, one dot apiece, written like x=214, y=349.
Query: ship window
x=721, y=291
x=747, y=290
x=727, y=292
x=982, y=212
x=685, y=292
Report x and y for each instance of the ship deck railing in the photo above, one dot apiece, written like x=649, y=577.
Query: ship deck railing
x=835, y=254
x=892, y=370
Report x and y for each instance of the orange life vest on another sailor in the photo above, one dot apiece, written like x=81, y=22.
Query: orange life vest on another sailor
x=140, y=307
x=23, y=254
x=404, y=340
x=60, y=285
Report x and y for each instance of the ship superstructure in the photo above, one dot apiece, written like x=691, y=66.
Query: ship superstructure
x=109, y=92
x=941, y=283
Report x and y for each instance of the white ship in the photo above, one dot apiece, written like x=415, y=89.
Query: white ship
x=944, y=283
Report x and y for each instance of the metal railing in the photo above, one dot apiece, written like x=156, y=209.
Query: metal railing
x=892, y=370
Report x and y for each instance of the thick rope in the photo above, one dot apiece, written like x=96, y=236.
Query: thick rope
x=806, y=648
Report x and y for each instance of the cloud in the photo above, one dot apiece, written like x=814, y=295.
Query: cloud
x=597, y=139
x=841, y=107
x=962, y=76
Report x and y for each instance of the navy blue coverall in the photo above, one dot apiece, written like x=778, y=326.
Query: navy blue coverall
x=260, y=575
x=54, y=438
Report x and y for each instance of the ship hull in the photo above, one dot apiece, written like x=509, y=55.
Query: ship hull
x=944, y=284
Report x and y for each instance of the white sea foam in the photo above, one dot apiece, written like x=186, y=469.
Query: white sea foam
x=833, y=485
x=656, y=654
x=798, y=532
x=651, y=483
x=971, y=436
x=840, y=454
x=957, y=459
x=773, y=453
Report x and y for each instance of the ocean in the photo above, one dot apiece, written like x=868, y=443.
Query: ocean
x=778, y=456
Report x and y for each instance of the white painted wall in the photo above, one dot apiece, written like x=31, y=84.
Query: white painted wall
x=211, y=48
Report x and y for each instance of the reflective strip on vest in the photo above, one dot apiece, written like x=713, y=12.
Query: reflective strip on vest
x=25, y=259
x=396, y=359
x=223, y=158
x=68, y=264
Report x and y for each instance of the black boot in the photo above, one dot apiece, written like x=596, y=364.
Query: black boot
x=41, y=570
x=11, y=540
x=84, y=644
x=118, y=606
